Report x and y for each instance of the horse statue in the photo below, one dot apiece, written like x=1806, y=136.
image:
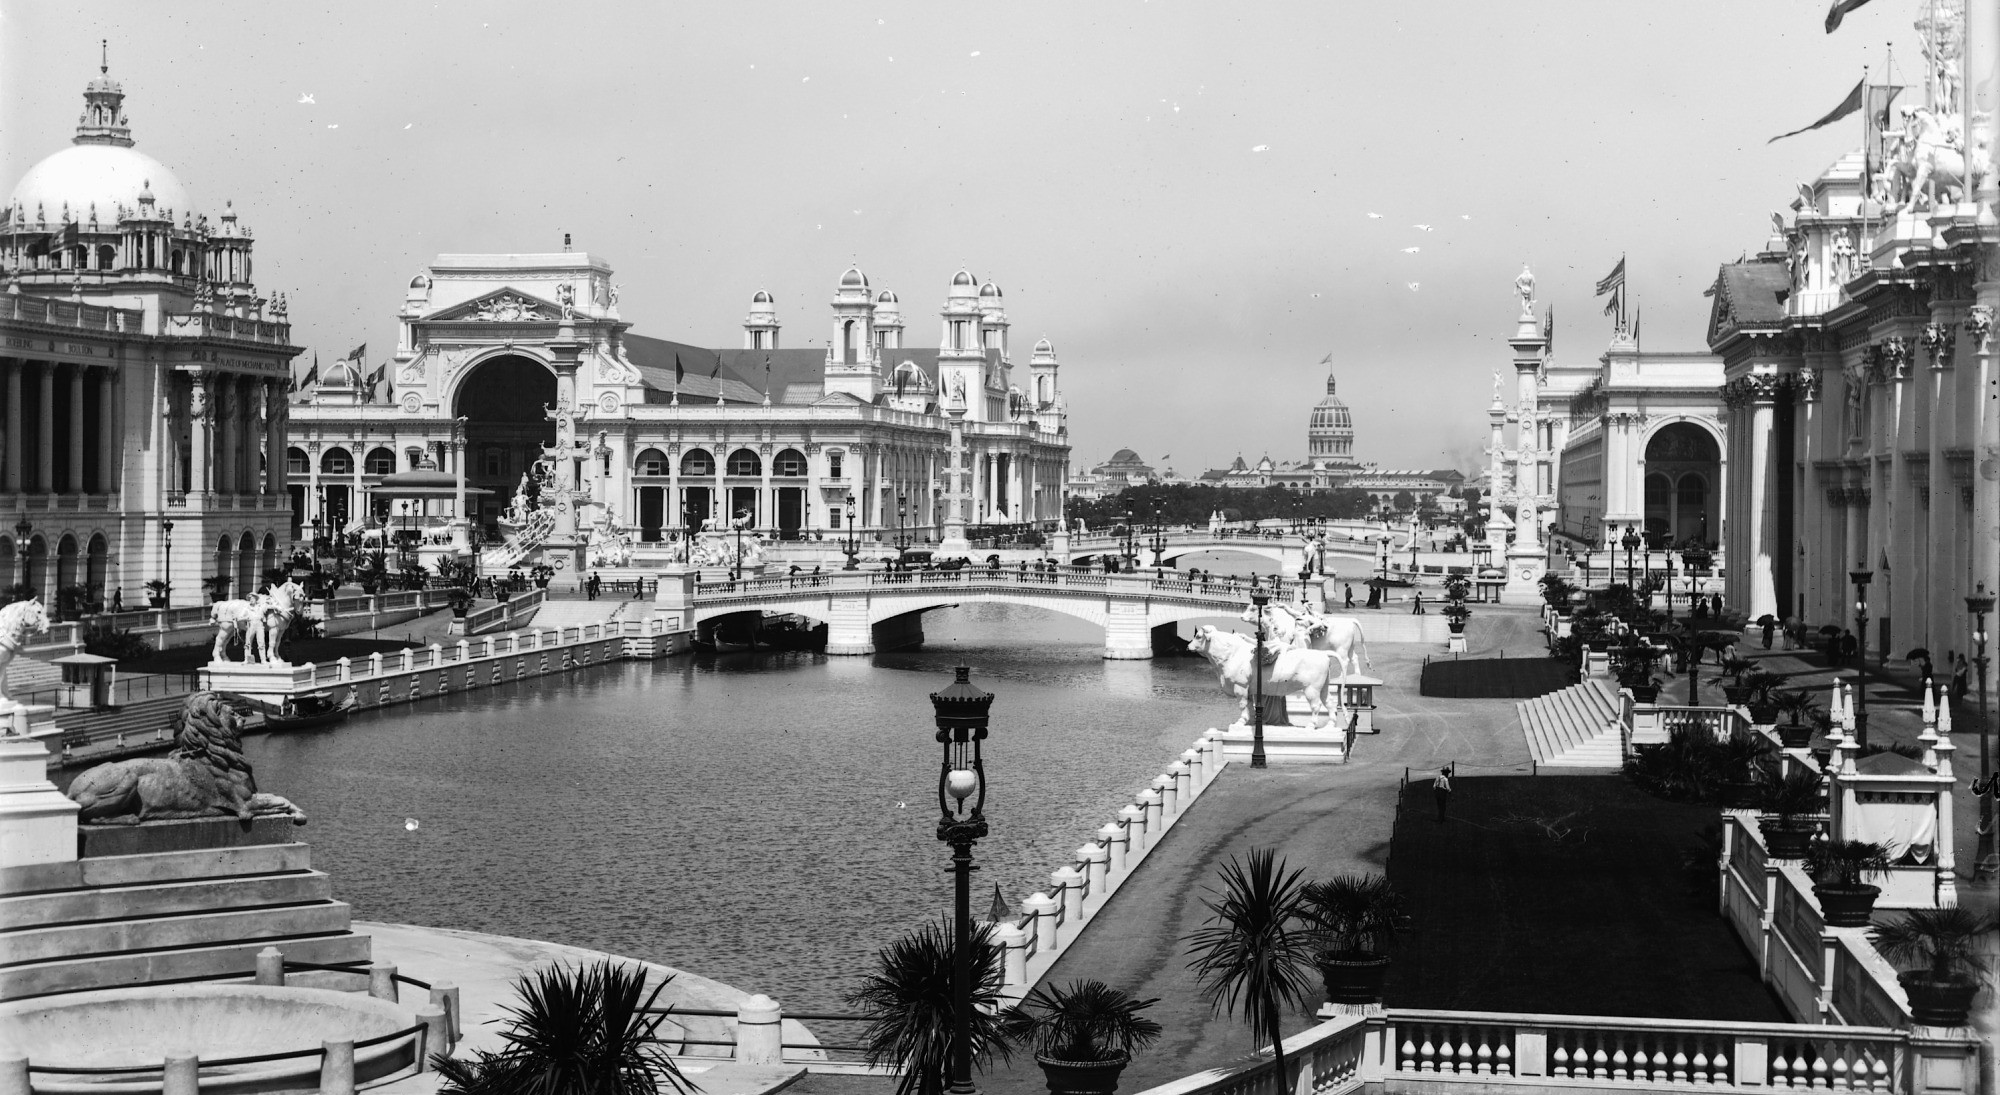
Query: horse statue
x=1291, y=670
x=1927, y=160
x=1338, y=635
x=17, y=622
x=281, y=604
x=237, y=617
x=205, y=775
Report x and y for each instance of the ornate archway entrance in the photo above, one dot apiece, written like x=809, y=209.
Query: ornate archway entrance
x=1683, y=485
x=502, y=401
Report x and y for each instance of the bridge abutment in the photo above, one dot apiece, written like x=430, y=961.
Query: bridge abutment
x=1128, y=631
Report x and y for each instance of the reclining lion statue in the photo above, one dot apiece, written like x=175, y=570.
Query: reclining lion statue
x=205, y=775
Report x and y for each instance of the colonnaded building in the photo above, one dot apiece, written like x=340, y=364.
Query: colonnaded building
x=679, y=436
x=145, y=378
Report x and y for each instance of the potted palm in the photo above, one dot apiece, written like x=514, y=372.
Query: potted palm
x=1798, y=706
x=1455, y=614
x=156, y=592
x=576, y=1028
x=1790, y=807
x=1759, y=685
x=1944, y=947
x=1352, y=916
x=908, y=999
x=1254, y=951
x=1082, y=1034
x=1836, y=867
x=1741, y=760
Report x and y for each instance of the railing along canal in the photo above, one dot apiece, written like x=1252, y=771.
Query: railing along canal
x=1205, y=589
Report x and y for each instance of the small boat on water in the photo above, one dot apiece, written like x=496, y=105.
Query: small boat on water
x=307, y=713
x=724, y=640
x=792, y=632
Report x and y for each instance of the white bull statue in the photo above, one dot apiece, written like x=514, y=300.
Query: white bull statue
x=1338, y=635
x=1309, y=672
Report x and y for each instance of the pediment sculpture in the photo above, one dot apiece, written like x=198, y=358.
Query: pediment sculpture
x=506, y=308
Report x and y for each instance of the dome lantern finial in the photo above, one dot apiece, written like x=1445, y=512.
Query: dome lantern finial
x=103, y=120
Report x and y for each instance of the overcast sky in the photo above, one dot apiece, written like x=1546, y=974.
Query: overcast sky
x=1177, y=194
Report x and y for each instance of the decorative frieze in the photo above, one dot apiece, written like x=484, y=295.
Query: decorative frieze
x=1755, y=388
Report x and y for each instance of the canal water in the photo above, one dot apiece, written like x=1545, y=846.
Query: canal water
x=766, y=819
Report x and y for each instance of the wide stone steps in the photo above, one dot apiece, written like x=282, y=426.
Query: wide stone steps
x=168, y=916
x=27, y=675
x=144, y=719
x=567, y=613
x=1574, y=727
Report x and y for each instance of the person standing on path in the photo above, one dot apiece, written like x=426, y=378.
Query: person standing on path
x=1961, y=679
x=1441, y=790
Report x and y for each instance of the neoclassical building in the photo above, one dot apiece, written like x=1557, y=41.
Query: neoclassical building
x=679, y=435
x=145, y=377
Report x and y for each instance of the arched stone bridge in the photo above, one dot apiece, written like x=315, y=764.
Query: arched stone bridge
x=864, y=610
x=1289, y=552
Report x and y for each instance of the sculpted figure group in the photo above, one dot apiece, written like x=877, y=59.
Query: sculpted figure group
x=1300, y=651
x=260, y=619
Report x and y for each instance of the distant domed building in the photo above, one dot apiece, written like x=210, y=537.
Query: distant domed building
x=1330, y=433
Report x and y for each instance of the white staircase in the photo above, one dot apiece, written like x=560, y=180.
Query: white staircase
x=1576, y=727
x=568, y=613
x=25, y=675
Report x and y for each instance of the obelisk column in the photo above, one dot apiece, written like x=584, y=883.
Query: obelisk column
x=563, y=549
x=1497, y=522
x=954, y=543
x=1760, y=592
x=1525, y=561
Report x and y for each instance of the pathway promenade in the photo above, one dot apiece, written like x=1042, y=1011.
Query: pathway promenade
x=1325, y=818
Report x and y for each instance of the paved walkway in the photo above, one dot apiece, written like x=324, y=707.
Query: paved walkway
x=1324, y=818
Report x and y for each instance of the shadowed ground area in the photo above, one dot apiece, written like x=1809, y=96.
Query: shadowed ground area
x=1494, y=678
x=187, y=659
x=1566, y=895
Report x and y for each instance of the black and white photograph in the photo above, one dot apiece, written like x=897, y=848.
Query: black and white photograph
x=653, y=547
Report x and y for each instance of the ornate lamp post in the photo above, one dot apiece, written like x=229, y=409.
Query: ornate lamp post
x=1667, y=560
x=1159, y=541
x=852, y=548
x=167, y=562
x=902, y=528
x=1861, y=578
x=1630, y=541
x=1259, y=598
x=736, y=564
x=1695, y=561
x=962, y=710
x=1985, y=860
x=23, y=529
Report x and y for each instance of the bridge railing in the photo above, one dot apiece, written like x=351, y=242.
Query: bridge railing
x=1205, y=589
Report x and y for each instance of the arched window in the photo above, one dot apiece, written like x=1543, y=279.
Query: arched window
x=107, y=257
x=225, y=560
x=788, y=462
x=650, y=462
x=246, y=566
x=7, y=562
x=270, y=555
x=336, y=462
x=296, y=462
x=66, y=552
x=697, y=462
x=96, y=566
x=745, y=462
x=380, y=461
x=38, y=566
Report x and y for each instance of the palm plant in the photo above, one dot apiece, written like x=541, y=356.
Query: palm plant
x=1254, y=952
x=577, y=1029
x=1791, y=801
x=1084, y=1021
x=911, y=1009
x=1944, y=947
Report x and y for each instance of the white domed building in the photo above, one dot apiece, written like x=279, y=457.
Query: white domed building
x=145, y=378
x=685, y=435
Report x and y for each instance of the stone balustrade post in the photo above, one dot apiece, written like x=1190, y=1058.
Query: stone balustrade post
x=1149, y=801
x=1112, y=837
x=445, y=995
x=14, y=1076
x=1163, y=786
x=181, y=1074
x=1069, y=889
x=464, y=649
x=382, y=981
x=1135, y=832
x=1096, y=865
x=437, y=1034
x=375, y=664
x=1014, y=954
x=1190, y=774
x=271, y=967
x=1211, y=746
x=336, y=1067
x=346, y=669
x=1042, y=908
x=759, y=1031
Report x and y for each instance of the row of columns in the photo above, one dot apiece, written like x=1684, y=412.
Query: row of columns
x=236, y=428
x=82, y=433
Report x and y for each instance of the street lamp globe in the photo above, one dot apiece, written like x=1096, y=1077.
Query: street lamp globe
x=962, y=710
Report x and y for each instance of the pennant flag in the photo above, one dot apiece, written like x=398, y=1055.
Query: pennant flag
x=1638, y=314
x=1617, y=299
x=1327, y=360
x=1847, y=106
x=767, y=380
x=717, y=374
x=357, y=353
x=679, y=373
x=1614, y=279
x=1839, y=11
x=1549, y=330
x=312, y=374
x=374, y=380
x=1880, y=97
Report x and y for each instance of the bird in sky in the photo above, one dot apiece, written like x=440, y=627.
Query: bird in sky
x=1260, y=148
x=1411, y=250
x=1465, y=216
x=1413, y=286
x=305, y=97
x=1421, y=227
x=1374, y=216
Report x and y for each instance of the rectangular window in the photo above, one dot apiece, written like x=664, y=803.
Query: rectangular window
x=833, y=465
x=495, y=462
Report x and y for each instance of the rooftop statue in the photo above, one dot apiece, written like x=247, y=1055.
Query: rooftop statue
x=205, y=775
x=1524, y=285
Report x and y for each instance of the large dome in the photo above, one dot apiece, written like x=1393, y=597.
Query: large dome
x=1330, y=435
x=106, y=174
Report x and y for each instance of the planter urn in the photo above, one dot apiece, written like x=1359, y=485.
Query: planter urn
x=1846, y=906
x=1735, y=695
x=1794, y=736
x=1764, y=714
x=1936, y=1003
x=1784, y=840
x=1353, y=980
x=1082, y=1077
x=1644, y=693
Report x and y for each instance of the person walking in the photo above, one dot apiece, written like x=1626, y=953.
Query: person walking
x=1961, y=679
x=1715, y=605
x=1441, y=790
x=1418, y=608
x=117, y=600
x=1348, y=589
x=1770, y=625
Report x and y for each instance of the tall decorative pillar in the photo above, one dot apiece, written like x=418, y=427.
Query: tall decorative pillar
x=15, y=420
x=1497, y=522
x=108, y=448
x=1761, y=589
x=76, y=483
x=954, y=542
x=201, y=420
x=1526, y=562
x=563, y=549
x=45, y=444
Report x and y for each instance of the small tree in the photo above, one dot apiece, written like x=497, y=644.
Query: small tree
x=1405, y=501
x=576, y=1029
x=1254, y=952
x=909, y=1002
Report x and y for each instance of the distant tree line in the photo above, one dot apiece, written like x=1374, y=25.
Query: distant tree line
x=1191, y=503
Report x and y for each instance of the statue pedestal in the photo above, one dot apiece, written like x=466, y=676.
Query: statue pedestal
x=37, y=822
x=1290, y=744
x=1525, y=567
x=273, y=683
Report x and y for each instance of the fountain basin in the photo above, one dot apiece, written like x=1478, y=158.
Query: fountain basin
x=118, y=1028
